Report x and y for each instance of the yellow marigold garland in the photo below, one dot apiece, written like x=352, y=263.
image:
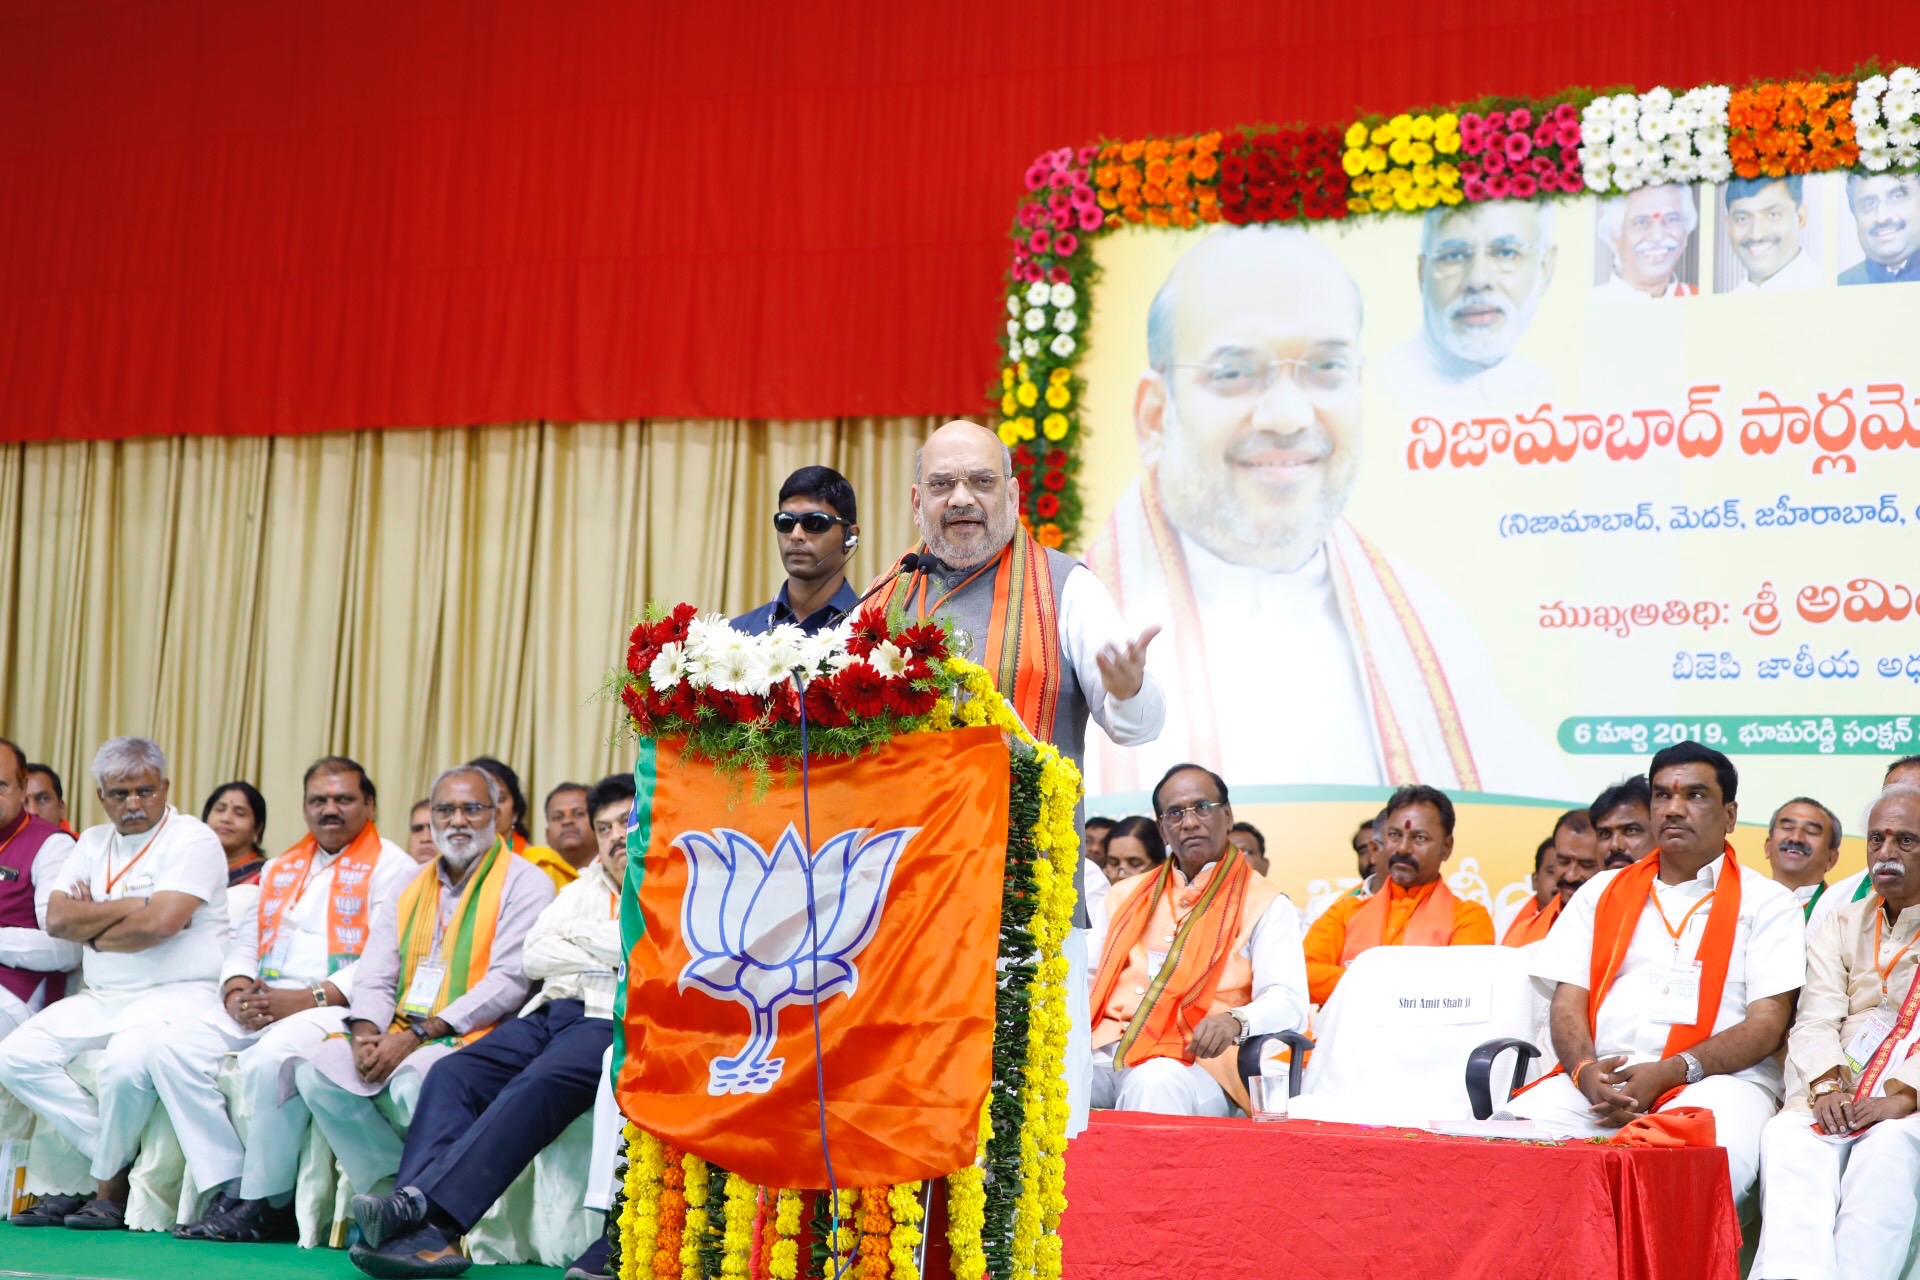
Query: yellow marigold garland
x=967, y=1208
x=784, y=1260
x=695, y=1170
x=903, y=1202
x=641, y=1221
x=737, y=1242
x=846, y=1239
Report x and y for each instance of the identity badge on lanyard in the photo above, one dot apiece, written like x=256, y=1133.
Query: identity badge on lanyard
x=1676, y=991
x=1861, y=1048
x=1156, y=960
x=428, y=975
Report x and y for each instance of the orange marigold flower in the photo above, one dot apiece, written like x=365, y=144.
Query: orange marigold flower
x=1205, y=167
x=1179, y=170
x=1106, y=176
x=1049, y=535
x=1210, y=213
x=1109, y=151
x=1129, y=178
x=1205, y=196
x=1184, y=217
x=1108, y=200
x=1131, y=151
x=1158, y=218
x=1135, y=213
x=1768, y=95
x=1792, y=113
x=1154, y=193
x=1206, y=144
x=1179, y=193
x=1747, y=169
x=1156, y=173
x=1129, y=197
x=1183, y=146
x=1158, y=149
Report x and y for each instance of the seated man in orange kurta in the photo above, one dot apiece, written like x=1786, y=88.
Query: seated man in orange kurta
x=1572, y=859
x=1198, y=956
x=1416, y=909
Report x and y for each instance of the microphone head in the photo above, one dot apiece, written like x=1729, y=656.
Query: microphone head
x=910, y=563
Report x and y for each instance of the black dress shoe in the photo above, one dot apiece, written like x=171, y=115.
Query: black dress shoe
x=220, y=1203
x=591, y=1265
x=251, y=1222
x=423, y=1253
x=99, y=1215
x=48, y=1211
x=381, y=1218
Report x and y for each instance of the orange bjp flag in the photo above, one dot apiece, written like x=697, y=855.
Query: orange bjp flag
x=716, y=1052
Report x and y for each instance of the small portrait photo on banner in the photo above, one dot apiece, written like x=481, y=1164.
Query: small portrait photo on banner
x=1769, y=234
x=1879, y=239
x=1646, y=245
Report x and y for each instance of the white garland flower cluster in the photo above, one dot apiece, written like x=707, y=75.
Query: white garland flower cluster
x=1630, y=140
x=1042, y=317
x=1886, y=119
x=716, y=656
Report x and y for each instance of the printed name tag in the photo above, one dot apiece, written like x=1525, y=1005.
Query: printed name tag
x=1156, y=961
x=9, y=873
x=1860, y=1049
x=1676, y=995
x=423, y=990
x=136, y=887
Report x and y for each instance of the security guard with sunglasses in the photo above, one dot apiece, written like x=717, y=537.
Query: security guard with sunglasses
x=815, y=525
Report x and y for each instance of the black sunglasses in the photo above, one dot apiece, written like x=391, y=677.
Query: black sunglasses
x=812, y=521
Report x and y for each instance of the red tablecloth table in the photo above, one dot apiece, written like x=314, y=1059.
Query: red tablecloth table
x=1164, y=1197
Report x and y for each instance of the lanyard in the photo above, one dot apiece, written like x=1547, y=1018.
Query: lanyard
x=1815, y=899
x=25, y=817
x=113, y=879
x=1675, y=932
x=1886, y=970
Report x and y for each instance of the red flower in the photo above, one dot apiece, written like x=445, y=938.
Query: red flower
x=1055, y=479
x=904, y=699
x=823, y=709
x=1059, y=275
x=924, y=640
x=1046, y=506
x=1056, y=457
x=783, y=704
x=637, y=708
x=869, y=629
x=1523, y=186
x=861, y=690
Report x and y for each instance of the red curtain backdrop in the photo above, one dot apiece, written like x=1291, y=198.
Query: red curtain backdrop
x=223, y=216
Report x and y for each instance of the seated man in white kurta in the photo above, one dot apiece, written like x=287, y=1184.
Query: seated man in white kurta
x=1840, y=1167
x=1675, y=978
x=146, y=893
x=284, y=988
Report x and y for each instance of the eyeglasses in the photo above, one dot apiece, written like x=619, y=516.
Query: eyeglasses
x=1202, y=810
x=120, y=795
x=473, y=811
x=981, y=484
x=1239, y=377
x=812, y=521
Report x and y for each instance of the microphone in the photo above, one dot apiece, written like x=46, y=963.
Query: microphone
x=909, y=564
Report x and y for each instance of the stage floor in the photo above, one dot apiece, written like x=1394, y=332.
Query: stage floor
x=146, y=1255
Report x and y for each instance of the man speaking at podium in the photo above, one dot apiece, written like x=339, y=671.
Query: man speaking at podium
x=1041, y=623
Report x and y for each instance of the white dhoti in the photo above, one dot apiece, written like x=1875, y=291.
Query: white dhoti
x=608, y=1125
x=1160, y=1085
x=185, y=1070
x=1079, y=1055
x=1740, y=1109
x=1829, y=1211
x=365, y=1141
x=124, y=1026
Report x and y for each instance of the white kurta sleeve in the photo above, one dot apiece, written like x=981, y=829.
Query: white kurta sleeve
x=1089, y=623
x=1279, y=972
x=35, y=948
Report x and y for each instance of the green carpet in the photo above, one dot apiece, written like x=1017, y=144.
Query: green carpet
x=146, y=1255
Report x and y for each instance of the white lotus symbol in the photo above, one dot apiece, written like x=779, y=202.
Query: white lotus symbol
x=744, y=917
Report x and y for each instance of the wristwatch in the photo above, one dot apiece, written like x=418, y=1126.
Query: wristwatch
x=1825, y=1087
x=1695, y=1072
x=1240, y=1018
x=419, y=1029
x=320, y=996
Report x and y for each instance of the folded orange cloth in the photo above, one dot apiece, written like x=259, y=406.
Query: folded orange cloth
x=1680, y=1127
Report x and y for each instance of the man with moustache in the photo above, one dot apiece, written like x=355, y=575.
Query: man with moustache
x=1483, y=269
x=1542, y=882
x=1623, y=823
x=46, y=798
x=1247, y=421
x=1840, y=1166
x=1249, y=840
x=1202, y=954
x=286, y=983
x=1040, y=622
x=33, y=858
x=1766, y=222
x=1647, y=231
x=1572, y=860
x=1803, y=843
x=1856, y=887
x=1673, y=979
x=1886, y=216
x=146, y=895
x=1366, y=853
x=817, y=532
x=441, y=967
x=1414, y=907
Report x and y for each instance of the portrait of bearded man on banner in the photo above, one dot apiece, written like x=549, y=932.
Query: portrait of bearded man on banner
x=1301, y=652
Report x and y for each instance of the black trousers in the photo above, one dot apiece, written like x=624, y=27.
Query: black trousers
x=488, y=1110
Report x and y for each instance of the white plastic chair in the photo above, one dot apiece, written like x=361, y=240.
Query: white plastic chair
x=1408, y=1026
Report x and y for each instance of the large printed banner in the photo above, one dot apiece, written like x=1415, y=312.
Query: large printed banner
x=1507, y=497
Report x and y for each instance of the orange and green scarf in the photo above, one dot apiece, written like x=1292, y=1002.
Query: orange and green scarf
x=467, y=947
x=347, y=902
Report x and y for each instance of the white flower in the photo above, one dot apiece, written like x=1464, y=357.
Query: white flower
x=1899, y=106
x=1037, y=293
x=1626, y=109
x=1678, y=146
x=1013, y=330
x=1905, y=80
x=1683, y=119
x=1872, y=87
x=738, y=668
x=1599, y=108
x=1699, y=100
x=1063, y=295
x=1062, y=346
x=1013, y=304
x=889, y=660
x=1629, y=152
x=1659, y=98
x=1907, y=157
x=1599, y=177
x=1719, y=95
x=1716, y=168
x=1065, y=320
x=1876, y=158
x=665, y=671
x=1596, y=131
x=1030, y=347
x=1865, y=110
x=1711, y=141
x=1655, y=125
x=1036, y=319
x=1682, y=169
x=1628, y=179
x=1872, y=137
x=780, y=650
x=1904, y=135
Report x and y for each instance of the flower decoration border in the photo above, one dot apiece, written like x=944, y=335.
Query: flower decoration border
x=1574, y=143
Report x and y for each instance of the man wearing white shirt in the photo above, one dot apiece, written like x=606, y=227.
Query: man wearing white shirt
x=285, y=987
x=33, y=852
x=1857, y=887
x=147, y=896
x=1803, y=843
x=1766, y=222
x=1673, y=980
x=1199, y=956
x=489, y=1109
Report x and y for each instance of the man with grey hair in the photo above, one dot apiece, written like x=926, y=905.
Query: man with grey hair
x=1483, y=269
x=1840, y=1166
x=1647, y=232
x=1248, y=424
x=1853, y=888
x=441, y=966
x=146, y=894
x=1803, y=843
x=1037, y=619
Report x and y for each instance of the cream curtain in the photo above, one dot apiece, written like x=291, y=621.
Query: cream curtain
x=408, y=598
